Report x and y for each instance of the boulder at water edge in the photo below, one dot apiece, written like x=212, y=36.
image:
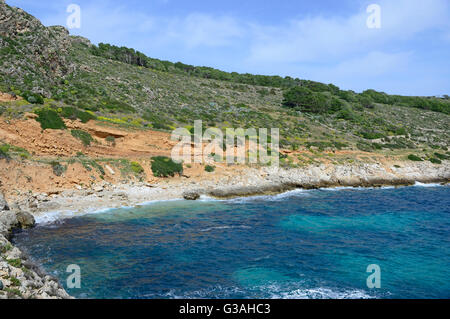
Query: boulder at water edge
x=26, y=220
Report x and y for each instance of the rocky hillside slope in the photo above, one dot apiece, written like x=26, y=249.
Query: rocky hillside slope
x=37, y=54
x=51, y=69
x=73, y=114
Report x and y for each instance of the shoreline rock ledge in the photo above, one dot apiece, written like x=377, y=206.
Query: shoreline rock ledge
x=19, y=277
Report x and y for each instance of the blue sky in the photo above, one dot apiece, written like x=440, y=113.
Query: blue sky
x=322, y=40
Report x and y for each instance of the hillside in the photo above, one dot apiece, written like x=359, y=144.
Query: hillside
x=66, y=102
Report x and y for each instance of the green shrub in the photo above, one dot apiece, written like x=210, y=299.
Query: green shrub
x=305, y=100
x=369, y=135
x=13, y=291
x=73, y=114
x=83, y=136
x=366, y=102
x=50, y=119
x=136, y=168
x=335, y=105
x=114, y=106
x=7, y=150
x=209, y=168
x=85, y=117
x=69, y=112
x=377, y=146
x=111, y=140
x=400, y=131
x=435, y=160
x=24, y=155
x=15, y=262
x=90, y=164
x=374, y=96
x=442, y=156
x=414, y=158
x=4, y=149
x=58, y=169
x=7, y=247
x=161, y=126
x=33, y=98
x=345, y=113
x=365, y=147
x=14, y=281
x=164, y=167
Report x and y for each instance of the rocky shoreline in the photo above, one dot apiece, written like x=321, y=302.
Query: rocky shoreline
x=31, y=282
x=247, y=181
x=362, y=175
x=20, y=278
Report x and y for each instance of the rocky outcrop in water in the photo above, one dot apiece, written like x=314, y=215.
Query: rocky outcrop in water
x=19, y=277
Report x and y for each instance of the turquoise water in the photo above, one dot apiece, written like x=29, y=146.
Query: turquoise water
x=302, y=244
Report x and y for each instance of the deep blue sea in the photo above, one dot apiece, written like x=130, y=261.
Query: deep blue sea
x=301, y=244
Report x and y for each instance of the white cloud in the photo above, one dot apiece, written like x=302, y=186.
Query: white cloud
x=310, y=39
x=204, y=30
x=316, y=38
x=103, y=22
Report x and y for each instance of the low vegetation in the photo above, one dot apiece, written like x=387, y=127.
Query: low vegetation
x=74, y=113
x=15, y=262
x=5, y=248
x=111, y=140
x=83, y=136
x=414, y=158
x=136, y=168
x=164, y=167
x=4, y=152
x=8, y=151
x=33, y=98
x=435, y=160
x=91, y=164
x=50, y=119
x=442, y=156
x=58, y=168
x=14, y=281
x=209, y=168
